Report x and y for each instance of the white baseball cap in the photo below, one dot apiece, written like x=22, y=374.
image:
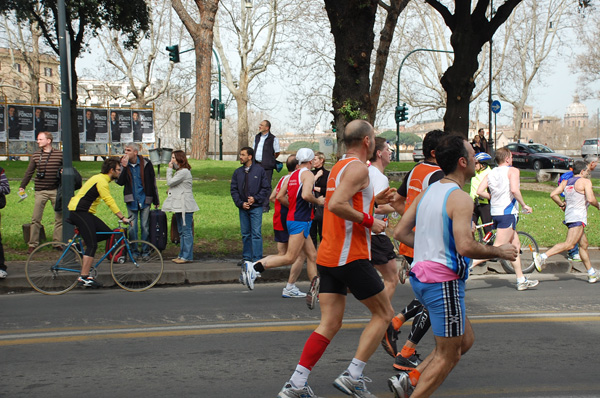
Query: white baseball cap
x=305, y=155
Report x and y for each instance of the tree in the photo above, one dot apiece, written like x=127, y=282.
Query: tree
x=532, y=34
x=352, y=23
x=83, y=18
x=587, y=63
x=201, y=32
x=255, y=34
x=27, y=43
x=470, y=29
x=139, y=65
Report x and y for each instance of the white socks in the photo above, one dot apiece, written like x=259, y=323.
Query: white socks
x=356, y=368
x=300, y=377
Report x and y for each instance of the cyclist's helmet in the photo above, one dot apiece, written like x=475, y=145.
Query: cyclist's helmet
x=483, y=157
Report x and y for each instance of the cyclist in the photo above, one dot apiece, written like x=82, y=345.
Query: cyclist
x=82, y=207
x=482, y=205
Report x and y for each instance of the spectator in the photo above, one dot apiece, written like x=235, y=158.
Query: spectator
x=482, y=141
x=47, y=161
x=476, y=144
x=139, y=192
x=249, y=191
x=321, y=175
x=4, y=190
x=266, y=149
x=180, y=200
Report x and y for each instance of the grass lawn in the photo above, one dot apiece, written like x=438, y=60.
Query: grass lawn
x=217, y=232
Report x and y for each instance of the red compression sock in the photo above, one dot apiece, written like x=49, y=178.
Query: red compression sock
x=313, y=349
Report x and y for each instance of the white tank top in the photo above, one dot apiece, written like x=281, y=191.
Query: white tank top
x=434, y=237
x=577, y=204
x=503, y=202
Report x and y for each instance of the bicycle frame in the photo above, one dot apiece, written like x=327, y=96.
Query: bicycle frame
x=77, y=238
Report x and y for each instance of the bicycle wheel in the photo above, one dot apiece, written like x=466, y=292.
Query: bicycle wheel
x=139, y=274
x=52, y=271
x=528, y=247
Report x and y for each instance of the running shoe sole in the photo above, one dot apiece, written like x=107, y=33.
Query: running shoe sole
x=313, y=293
x=389, y=341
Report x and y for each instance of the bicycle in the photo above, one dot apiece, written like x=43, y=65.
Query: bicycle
x=53, y=268
x=528, y=247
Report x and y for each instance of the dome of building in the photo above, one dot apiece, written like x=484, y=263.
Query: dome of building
x=576, y=109
x=577, y=114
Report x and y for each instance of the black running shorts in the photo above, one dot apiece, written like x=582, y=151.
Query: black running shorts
x=382, y=250
x=359, y=276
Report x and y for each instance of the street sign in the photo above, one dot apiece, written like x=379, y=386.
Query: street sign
x=496, y=106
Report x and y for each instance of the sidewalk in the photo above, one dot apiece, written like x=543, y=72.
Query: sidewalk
x=219, y=271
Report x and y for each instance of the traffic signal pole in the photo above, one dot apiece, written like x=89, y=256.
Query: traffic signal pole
x=402, y=110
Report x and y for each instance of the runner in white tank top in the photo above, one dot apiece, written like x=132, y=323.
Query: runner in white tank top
x=578, y=196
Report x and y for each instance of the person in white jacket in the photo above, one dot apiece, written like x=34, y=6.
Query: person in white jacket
x=180, y=200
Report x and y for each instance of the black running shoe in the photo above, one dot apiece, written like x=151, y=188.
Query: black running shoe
x=409, y=363
x=313, y=293
x=389, y=341
x=88, y=282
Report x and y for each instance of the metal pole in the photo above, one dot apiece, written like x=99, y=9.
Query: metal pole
x=398, y=92
x=490, y=89
x=68, y=174
x=218, y=111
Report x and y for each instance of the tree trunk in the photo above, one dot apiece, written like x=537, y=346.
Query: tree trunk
x=352, y=24
x=243, y=128
x=458, y=80
x=383, y=51
x=200, y=135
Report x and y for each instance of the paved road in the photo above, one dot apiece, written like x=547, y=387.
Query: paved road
x=225, y=341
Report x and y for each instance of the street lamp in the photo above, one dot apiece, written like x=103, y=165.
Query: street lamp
x=398, y=99
x=248, y=3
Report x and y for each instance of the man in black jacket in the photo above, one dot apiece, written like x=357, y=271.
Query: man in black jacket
x=139, y=192
x=250, y=190
x=266, y=150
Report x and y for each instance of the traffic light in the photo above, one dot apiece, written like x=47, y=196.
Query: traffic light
x=173, y=53
x=401, y=113
x=221, y=111
x=214, y=108
x=333, y=127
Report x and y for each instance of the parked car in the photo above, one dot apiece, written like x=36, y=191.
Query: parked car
x=418, y=152
x=538, y=156
x=590, y=147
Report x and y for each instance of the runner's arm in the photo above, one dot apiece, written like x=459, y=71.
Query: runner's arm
x=555, y=194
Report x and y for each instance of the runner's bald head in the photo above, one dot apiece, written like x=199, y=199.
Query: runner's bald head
x=356, y=131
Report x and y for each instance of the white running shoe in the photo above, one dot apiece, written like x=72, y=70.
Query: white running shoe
x=294, y=292
x=3, y=274
x=594, y=277
x=526, y=284
x=250, y=274
x=400, y=385
x=538, y=261
x=288, y=391
x=355, y=388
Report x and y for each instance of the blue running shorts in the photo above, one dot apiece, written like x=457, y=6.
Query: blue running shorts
x=445, y=302
x=296, y=227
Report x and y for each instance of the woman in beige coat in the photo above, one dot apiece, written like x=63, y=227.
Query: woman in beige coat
x=180, y=200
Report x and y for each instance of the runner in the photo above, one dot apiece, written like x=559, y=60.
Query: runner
x=504, y=194
x=443, y=241
x=416, y=181
x=578, y=196
x=296, y=193
x=343, y=263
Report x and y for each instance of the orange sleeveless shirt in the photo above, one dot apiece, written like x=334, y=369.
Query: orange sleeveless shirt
x=345, y=241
